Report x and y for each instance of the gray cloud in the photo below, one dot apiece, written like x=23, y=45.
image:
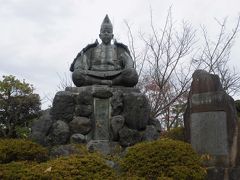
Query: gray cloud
x=40, y=38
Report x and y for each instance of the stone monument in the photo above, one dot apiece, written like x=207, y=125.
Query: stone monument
x=211, y=120
x=105, y=109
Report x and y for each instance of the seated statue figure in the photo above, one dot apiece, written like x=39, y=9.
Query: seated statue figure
x=105, y=63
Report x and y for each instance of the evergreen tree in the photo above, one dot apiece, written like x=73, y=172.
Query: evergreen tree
x=18, y=105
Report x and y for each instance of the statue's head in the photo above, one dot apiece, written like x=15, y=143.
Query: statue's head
x=106, y=31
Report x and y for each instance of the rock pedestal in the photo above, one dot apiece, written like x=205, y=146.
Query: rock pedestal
x=104, y=109
x=211, y=120
x=99, y=115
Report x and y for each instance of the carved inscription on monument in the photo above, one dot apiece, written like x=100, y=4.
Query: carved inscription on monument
x=207, y=98
x=101, y=116
x=209, y=132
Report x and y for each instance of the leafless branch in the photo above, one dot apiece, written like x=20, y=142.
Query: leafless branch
x=215, y=56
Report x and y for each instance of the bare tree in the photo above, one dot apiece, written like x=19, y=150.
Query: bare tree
x=165, y=64
x=139, y=56
x=215, y=56
x=65, y=81
x=166, y=71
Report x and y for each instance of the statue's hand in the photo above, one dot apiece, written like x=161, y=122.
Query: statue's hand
x=103, y=74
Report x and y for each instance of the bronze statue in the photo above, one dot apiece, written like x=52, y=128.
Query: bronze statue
x=105, y=63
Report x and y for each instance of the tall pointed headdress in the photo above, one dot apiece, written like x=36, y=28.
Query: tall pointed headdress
x=106, y=23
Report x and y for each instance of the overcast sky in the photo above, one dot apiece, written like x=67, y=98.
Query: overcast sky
x=40, y=38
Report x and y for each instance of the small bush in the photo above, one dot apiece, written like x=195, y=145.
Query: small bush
x=91, y=166
x=22, y=132
x=21, y=150
x=163, y=158
x=15, y=170
x=175, y=134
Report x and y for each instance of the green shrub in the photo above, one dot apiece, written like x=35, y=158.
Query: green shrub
x=22, y=132
x=91, y=166
x=163, y=158
x=20, y=150
x=175, y=134
x=131, y=177
x=15, y=170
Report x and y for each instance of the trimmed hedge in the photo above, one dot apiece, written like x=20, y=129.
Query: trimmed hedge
x=21, y=150
x=91, y=166
x=163, y=158
x=15, y=170
x=175, y=134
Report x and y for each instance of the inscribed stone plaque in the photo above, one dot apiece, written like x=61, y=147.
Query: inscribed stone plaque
x=207, y=98
x=209, y=132
x=101, y=116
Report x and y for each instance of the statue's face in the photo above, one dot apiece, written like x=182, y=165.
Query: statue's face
x=106, y=35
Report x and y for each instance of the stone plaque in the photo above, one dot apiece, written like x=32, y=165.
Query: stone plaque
x=207, y=98
x=209, y=132
x=101, y=117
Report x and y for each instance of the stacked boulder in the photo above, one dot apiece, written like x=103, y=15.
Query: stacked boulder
x=99, y=115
